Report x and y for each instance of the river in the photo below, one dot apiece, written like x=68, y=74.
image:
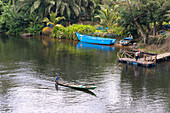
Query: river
x=28, y=67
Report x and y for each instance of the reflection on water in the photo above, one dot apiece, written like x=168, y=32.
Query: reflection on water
x=83, y=90
x=28, y=68
x=82, y=45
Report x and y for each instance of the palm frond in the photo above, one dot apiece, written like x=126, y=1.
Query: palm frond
x=58, y=3
x=35, y=6
x=68, y=11
x=85, y=3
x=76, y=9
x=83, y=9
x=52, y=17
x=58, y=19
x=46, y=19
x=63, y=8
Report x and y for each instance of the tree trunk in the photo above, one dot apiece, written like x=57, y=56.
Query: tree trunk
x=154, y=30
x=129, y=5
x=13, y=1
x=143, y=35
x=148, y=27
x=141, y=31
x=160, y=24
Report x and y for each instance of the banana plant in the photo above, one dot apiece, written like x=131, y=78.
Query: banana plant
x=53, y=19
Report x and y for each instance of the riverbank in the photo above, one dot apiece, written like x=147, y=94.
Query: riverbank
x=158, y=45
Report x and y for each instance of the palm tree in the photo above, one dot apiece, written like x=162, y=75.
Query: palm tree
x=107, y=16
x=67, y=8
x=73, y=7
x=39, y=6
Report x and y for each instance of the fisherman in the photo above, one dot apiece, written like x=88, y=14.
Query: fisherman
x=130, y=35
x=56, y=78
x=137, y=54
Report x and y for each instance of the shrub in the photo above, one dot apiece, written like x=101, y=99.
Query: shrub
x=69, y=32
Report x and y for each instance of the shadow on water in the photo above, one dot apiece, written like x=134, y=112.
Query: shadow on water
x=83, y=90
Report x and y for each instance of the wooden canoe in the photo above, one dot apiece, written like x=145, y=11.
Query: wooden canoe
x=75, y=86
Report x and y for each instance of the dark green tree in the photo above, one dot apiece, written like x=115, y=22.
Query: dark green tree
x=143, y=14
x=39, y=7
x=12, y=21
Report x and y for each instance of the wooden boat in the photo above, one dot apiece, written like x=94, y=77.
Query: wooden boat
x=95, y=40
x=126, y=41
x=75, y=86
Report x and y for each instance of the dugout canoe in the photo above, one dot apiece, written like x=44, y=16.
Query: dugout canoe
x=75, y=86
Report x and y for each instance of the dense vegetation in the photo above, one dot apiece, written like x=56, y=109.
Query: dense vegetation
x=142, y=18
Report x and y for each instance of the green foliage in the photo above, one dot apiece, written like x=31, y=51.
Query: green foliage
x=108, y=16
x=168, y=14
x=11, y=21
x=73, y=8
x=59, y=32
x=35, y=29
x=117, y=30
x=40, y=7
x=53, y=20
x=69, y=32
x=17, y=23
x=141, y=17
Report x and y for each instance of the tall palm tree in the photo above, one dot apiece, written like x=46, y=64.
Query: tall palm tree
x=62, y=7
x=38, y=6
x=73, y=7
x=107, y=16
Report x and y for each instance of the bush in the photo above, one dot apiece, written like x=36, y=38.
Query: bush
x=35, y=30
x=69, y=32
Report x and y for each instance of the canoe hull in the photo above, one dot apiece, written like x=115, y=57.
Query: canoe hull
x=75, y=86
x=96, y=40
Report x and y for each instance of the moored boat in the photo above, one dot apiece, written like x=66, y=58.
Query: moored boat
x=95, y=40
x=126, y=41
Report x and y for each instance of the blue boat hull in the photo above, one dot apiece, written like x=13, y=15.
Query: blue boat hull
x=96, y=40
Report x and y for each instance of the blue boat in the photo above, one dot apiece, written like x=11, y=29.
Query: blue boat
x=82, y=45
x=125, y=41
x=95, y=40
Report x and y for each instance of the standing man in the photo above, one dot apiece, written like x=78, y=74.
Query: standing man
x=137, y=54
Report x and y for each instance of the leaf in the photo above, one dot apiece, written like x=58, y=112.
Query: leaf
x=35, y=6
x=58, y=19
x=63, y=8
x=46, y=19
x=52, y=17
x=68, y=12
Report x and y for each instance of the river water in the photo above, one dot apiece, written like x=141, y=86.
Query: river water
x=28, y=68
